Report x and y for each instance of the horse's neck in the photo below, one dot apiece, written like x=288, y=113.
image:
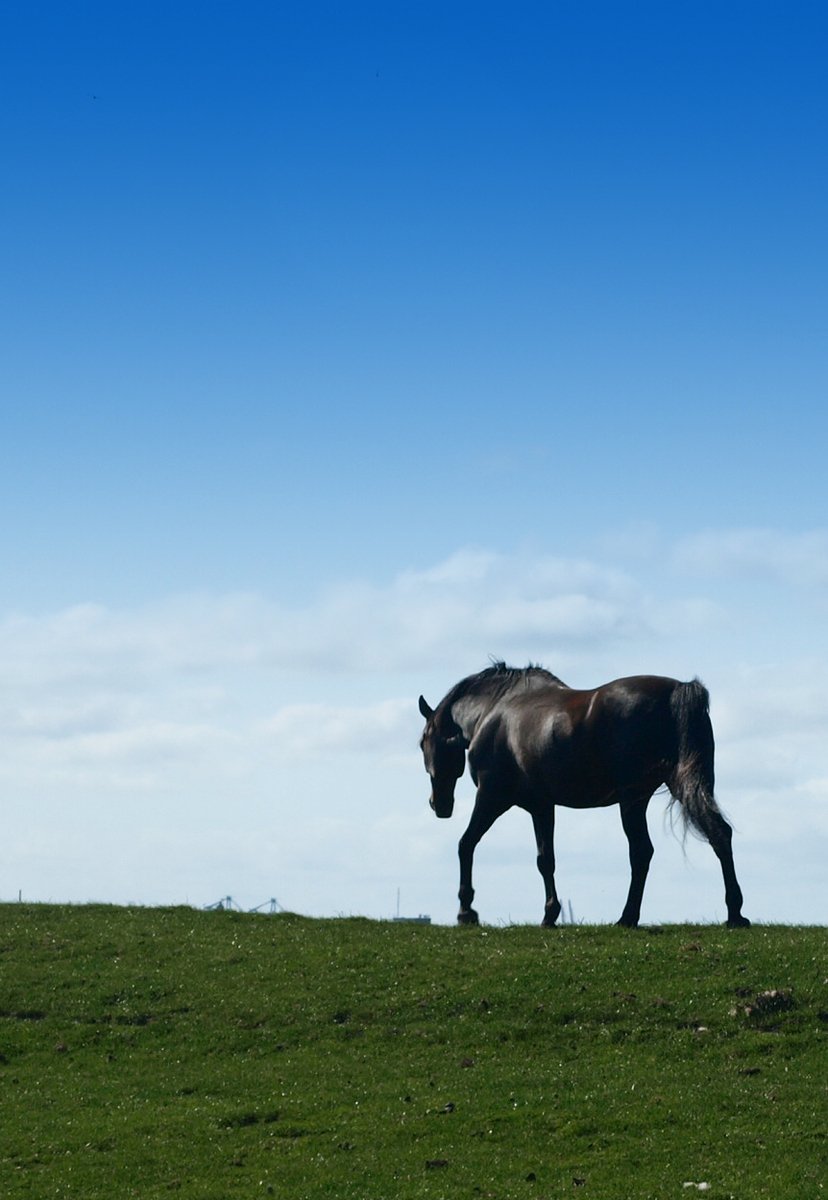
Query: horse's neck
x=468, y=711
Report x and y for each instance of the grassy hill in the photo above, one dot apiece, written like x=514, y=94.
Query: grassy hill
x=148, y=1052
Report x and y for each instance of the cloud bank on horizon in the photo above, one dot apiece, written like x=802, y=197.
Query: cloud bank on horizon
x=215, y=743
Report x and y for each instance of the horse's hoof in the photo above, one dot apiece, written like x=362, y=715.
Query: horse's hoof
x=468, y=916
x=549, y=922
x=626, y=924
x=739, y=922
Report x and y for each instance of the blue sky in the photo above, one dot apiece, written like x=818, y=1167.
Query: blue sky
x=344, y=346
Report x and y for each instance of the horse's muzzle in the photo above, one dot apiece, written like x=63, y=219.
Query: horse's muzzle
x=443, y=807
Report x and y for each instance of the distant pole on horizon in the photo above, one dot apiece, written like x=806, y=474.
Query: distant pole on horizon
x=422, y=919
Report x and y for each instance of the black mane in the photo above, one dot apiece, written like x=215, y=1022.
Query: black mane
x=499, y=679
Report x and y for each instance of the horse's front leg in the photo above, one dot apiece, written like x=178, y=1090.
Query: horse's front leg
x=544, y=822
x=483, y=817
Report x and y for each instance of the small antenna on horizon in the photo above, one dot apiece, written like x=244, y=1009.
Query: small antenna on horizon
x=422, y=919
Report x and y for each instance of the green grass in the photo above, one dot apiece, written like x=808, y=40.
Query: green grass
x=145, y=1052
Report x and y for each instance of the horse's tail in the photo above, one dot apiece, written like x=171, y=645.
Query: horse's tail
x=692, y=779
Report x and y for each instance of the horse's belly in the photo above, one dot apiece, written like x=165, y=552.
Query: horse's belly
x=575, y=788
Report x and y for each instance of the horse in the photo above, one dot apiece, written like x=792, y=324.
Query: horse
x=535, y=743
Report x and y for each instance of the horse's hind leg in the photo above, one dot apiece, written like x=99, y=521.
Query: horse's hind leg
x=544, y=822
x=720, y=836
x=634, y=820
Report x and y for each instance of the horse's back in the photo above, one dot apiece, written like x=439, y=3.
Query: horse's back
x=634, y=691
x=633, y=718
x=581, y=747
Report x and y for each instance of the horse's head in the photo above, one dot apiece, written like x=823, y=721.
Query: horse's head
x=445, y=760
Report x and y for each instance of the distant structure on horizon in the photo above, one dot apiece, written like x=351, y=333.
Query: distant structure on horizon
x=422, y=919
x=567, y=906
x=227, y=904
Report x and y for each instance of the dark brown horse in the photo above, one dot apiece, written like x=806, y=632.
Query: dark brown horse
x=534, y=742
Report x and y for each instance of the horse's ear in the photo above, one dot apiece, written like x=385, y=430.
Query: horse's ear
x=425, y=710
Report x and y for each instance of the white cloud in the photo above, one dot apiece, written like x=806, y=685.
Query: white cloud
x=792, y=558
x=471, y=599
x=302, y=731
